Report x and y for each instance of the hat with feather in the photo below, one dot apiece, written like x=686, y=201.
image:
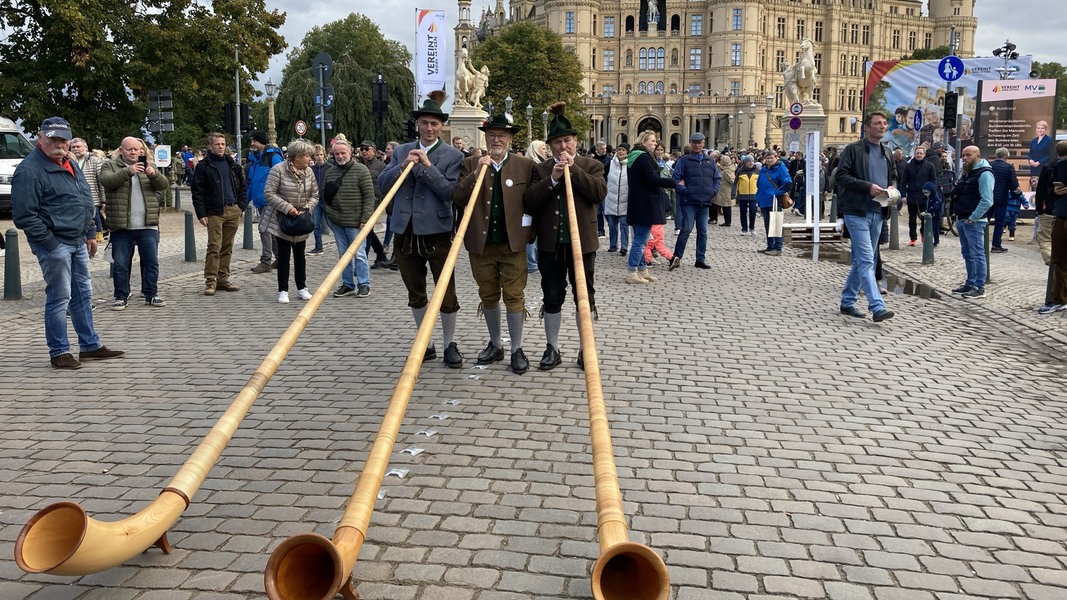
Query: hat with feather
x=432, y=106
x=559, y=126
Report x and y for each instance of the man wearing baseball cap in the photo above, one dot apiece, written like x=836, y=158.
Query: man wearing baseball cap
x=52, y=204
x=697, y=180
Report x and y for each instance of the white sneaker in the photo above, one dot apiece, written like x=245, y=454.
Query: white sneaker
x=304, y=294
x=283, y=297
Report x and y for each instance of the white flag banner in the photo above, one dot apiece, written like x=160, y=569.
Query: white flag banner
x=430, y=30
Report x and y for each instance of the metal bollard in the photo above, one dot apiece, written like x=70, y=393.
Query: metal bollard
x=12, y=268
x=833, y=206
x=894, y=230
x=248, y=227
x=928, y=238
x=1050, y=282
x=190, y=238
x=988, y=239
x=177, y=198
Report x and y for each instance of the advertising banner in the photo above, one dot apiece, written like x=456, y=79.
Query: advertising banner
x=1016, y=114
x=912, y=92
x=430, y=37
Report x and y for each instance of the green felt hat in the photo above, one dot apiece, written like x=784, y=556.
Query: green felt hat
x=559, y=125
x=432, y=106
x=501, y=121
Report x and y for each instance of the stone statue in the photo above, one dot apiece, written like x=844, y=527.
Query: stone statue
x=471, y=83
x=799, y=78
x=653, y=12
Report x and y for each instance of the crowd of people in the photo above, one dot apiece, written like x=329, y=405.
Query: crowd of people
x=519, y=224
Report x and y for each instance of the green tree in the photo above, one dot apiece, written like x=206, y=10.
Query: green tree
x=530, y=64
x=1054, y=70
x=94, y=61
x=928, y=54
x=359, y=52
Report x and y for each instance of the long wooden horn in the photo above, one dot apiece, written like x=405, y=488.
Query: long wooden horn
x=62, y=539
x=625, y=570
x=309, y=566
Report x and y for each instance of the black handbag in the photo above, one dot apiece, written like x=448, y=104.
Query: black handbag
x=302, y=224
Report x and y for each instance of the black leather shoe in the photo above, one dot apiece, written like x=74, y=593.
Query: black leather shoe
x=491, y=354
x=101, y=353
x=519, y=364
x=702, y=265
x=581, y=362
x=852, y=311
x=453, y=359
x=882, y=315
x=550, y=359
x=431, y=353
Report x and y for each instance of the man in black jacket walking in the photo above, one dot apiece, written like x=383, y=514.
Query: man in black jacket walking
x=916, y=173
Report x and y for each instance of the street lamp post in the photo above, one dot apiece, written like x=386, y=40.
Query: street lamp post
x=272, y=133
x=740, y=126
x=767, y=133
x=529, y=121
x=752, y=122
x=730, y=130
x=544, y=120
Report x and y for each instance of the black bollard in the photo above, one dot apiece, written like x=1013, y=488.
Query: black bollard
x=190, y=238
x=894, y=230
x=987, y=241
x=248, y=227
x=928, y=238
x=12, y=268
x=177, y=198
x=1050, y=282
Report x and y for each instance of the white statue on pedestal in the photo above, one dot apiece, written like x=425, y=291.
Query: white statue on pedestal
x=799, y=78
x=471, y=84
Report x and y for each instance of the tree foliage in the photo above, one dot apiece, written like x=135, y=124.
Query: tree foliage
x=94, y=61
x=1054, y=70
x=530, y=64
x=928, y=54
x=359, y=52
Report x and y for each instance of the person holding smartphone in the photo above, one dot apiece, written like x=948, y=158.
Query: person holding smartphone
x=132, y=209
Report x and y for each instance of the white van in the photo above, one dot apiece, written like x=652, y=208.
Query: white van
x=13, y=148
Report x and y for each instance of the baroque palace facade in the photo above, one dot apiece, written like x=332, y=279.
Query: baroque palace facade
x=715, y=66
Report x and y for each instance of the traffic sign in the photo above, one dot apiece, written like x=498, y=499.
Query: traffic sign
x=950, y=68
x=917, y=122
x=326, y=118
x=326, y=97
x=162, y=156
x=301, y=128
x=796, y=108
x=794, y=123
x=323, y=64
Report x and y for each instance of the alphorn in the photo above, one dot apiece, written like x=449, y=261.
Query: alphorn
x=62, y=539
x=624, y=570
x=309, y=566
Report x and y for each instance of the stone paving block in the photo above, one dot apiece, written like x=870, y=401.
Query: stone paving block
x=739, y=582
x=989, y=588
x=836, y=590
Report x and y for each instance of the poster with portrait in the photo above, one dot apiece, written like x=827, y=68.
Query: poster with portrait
x=912, y=92
x=1018, y=115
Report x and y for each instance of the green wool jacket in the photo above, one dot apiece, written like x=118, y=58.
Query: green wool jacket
x=116, y=177
x=355, y=201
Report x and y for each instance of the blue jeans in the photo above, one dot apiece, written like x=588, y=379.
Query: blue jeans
x=746, y=210
x=531, y=256
x=635, y=258
x=318, y=216
x=972, y=247
x=694, y=215
x=359, y=269
x=864, y=232
x=618, y=231
x=67, y=286
x=773, y=243
x=147, y=243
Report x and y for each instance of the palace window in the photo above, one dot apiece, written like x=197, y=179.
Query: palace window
x=801, y=26
x=779, y=28
x=896, y=39
x=738, y=18
x=694, y=59
x=568, y=26
x=818, y=31
x=866, y=35
x=609, y=27
x=642, y=62
x=609, y=60
x=735, y=55
x=696, y=25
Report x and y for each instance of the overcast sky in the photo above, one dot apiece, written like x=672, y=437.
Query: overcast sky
x=1037, y=31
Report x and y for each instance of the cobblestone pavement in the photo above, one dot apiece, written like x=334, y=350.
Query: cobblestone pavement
x=767, y=447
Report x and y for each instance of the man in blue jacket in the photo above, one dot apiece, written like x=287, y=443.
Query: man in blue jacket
x=972, y=201
x=697, y=180
x=261, y=158
x=52, y=204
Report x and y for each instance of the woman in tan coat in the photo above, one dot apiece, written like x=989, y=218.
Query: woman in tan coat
x=724, y=199
x=290, y=188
